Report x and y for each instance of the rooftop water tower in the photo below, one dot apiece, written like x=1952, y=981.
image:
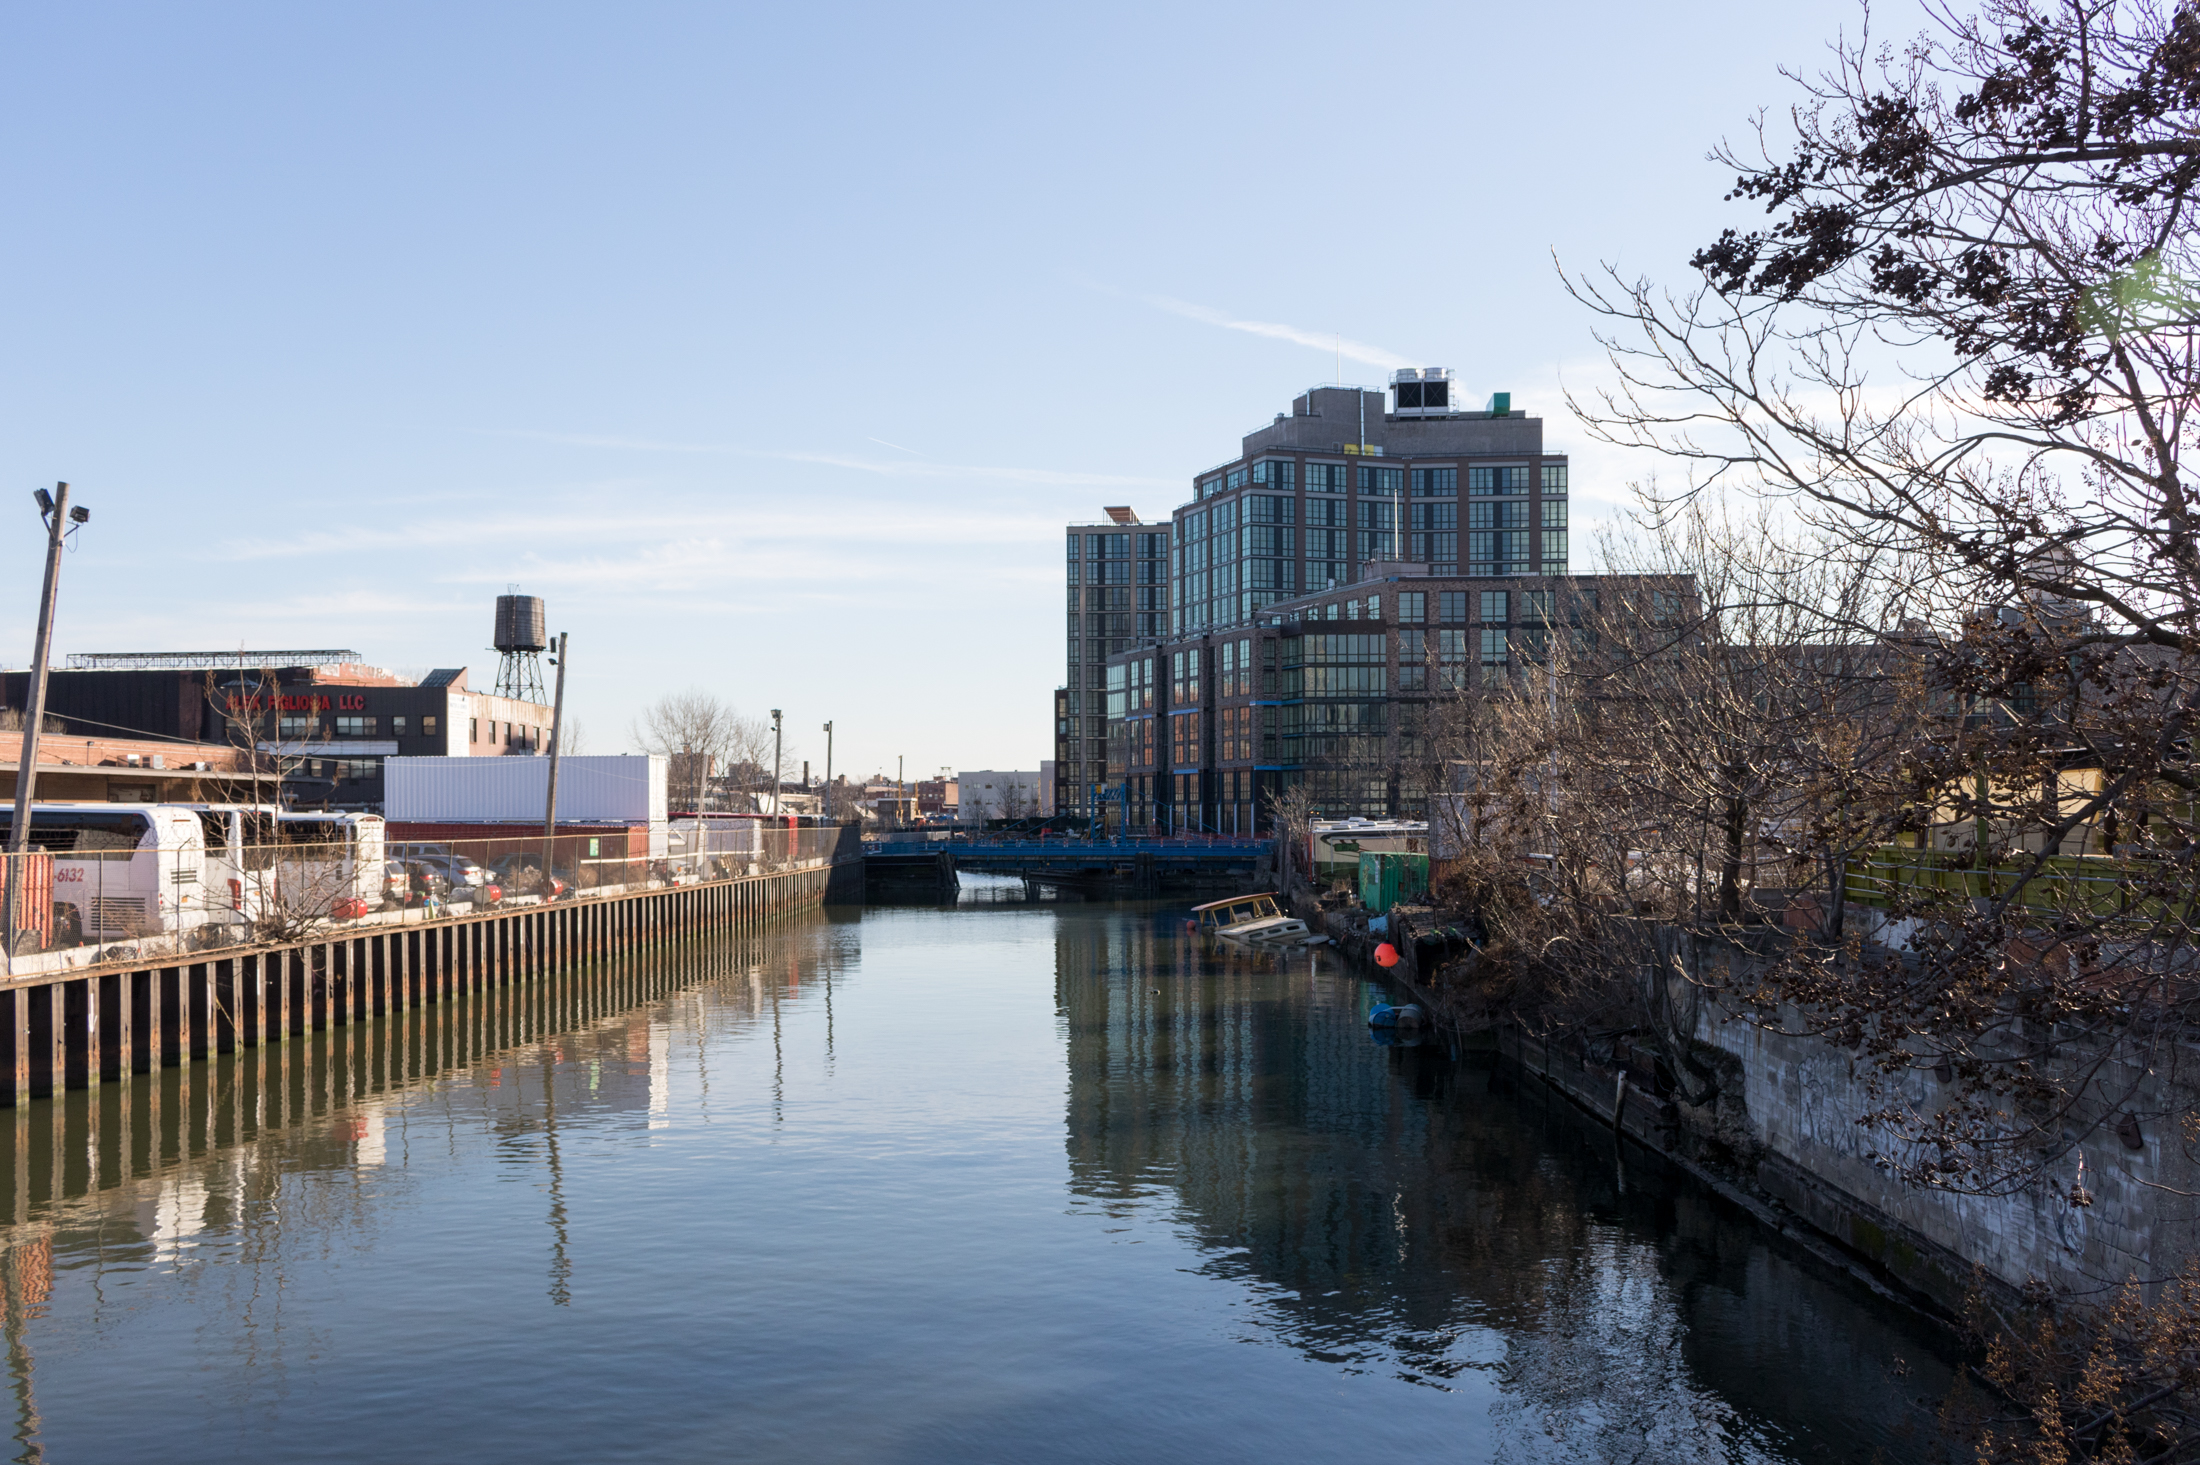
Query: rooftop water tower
x=521, y=637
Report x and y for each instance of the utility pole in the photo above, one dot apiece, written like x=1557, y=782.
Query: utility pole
x=59, y=516
x=901, y=791
x=550, y=804
x=775, y=760
x=828, y=773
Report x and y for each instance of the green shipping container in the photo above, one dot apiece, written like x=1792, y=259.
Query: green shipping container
x=1392, y=879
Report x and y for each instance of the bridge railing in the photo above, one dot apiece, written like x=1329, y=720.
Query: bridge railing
x=1214, y=845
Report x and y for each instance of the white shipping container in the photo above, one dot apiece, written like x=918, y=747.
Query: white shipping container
x=591, y=790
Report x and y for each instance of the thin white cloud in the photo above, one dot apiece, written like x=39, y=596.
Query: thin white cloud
x=886, y=469
x=889, y=526
x=1336, y=345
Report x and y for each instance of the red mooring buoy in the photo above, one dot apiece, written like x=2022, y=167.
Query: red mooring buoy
x=1386, y=955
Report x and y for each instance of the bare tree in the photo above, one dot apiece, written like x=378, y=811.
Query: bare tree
x=1963, y=349
x=288, y=890
x=700, y=737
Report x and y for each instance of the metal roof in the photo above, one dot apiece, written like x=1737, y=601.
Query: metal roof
x=204, y=660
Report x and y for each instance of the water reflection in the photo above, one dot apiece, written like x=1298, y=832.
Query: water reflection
x=233, y=1179
x=1402, y=1212
x=801, y=1196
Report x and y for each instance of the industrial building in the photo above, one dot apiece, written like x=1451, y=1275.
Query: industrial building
x=320, y=721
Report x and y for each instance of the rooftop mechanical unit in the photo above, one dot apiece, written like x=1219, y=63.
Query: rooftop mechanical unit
x=1422, y=391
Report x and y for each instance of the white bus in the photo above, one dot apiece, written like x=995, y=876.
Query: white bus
x=127, y=870
x=331, y=860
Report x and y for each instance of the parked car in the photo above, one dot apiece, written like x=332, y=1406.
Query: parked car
x=396, y=885
x=468, y=880
x=414, y=882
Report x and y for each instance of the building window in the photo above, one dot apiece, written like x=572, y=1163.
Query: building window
x=1274, y=473
x=356, y=770
x=1554, y=514
x=397, y=727
x=1493, y=648
x=1435, y=482
x=1235, y=479
x=473, y=729
x=298, y=727
x=1412, y=607
x=1382, y=480
x=1554, y=551
x=1451, y=607
x=1325, y=478
x=1497, y=480
x=1554, y=478
x=427, y=726
x=1495, y=605
x=356, y=727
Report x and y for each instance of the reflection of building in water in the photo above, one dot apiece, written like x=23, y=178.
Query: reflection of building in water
x=1398, y=1212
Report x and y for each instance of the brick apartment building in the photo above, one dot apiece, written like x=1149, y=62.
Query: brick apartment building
x=1330, y=691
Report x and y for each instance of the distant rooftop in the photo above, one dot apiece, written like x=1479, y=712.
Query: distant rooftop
x=205, y=660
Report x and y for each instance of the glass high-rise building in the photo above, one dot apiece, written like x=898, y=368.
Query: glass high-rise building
x=1350, y=478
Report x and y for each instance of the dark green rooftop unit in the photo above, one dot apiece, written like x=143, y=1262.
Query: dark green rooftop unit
x=1501, y=404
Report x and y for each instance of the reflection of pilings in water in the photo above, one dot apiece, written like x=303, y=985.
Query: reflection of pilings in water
x=224, y=1158
x=29, y=1281
x=779, y=1064
x=561, y=1265
x=140, y=1153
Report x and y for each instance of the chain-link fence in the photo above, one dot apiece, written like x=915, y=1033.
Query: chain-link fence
x=136, y=883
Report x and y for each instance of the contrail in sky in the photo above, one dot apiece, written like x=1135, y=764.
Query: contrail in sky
x=1350, y=350
x=1337, y=346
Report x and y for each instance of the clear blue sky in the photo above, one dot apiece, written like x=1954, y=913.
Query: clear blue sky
x=772, y=345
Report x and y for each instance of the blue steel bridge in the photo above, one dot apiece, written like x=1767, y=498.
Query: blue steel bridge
x=1068, y=859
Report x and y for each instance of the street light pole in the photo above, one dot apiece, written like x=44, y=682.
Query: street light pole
x=58, y=516
x=775, y=760
x=550, y=803
x=828, y=773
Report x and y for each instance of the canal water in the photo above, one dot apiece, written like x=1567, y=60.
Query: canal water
x=1001, y=1182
